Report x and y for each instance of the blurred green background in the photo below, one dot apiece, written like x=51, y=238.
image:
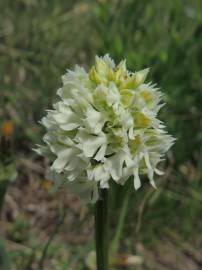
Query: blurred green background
x=39, y=40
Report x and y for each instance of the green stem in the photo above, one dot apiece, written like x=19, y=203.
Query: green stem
x=117, y=237
x=101, y=230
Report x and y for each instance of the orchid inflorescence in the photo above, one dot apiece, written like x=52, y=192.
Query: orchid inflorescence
x=105, y=126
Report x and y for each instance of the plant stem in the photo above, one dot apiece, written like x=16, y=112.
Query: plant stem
x=116, y=240
x=101, y=230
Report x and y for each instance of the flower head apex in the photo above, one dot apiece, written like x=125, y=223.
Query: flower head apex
x=105, y=126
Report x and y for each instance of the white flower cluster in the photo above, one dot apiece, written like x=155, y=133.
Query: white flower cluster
x=105, y=126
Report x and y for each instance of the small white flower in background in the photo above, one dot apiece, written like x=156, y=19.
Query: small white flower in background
x=105, y=127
